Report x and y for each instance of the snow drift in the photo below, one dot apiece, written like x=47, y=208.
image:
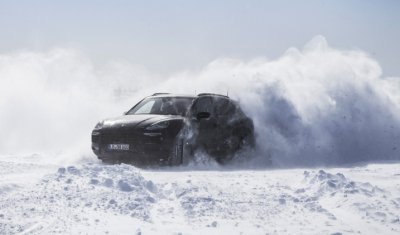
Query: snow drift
x=121, y=199
x=312, y=106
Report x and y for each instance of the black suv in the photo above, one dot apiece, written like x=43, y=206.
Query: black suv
x=167, y=129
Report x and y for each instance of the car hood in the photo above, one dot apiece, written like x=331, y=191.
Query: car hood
x=139, y=120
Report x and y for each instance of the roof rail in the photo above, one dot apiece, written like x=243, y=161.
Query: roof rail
x=160, y=93
x=205, y=94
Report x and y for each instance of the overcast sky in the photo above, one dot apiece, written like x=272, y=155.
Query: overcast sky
x=168, y=36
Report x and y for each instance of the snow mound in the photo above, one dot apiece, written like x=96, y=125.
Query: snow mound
x=322, y=189
x=333, y=183
x=121, y=199
x=120, y=190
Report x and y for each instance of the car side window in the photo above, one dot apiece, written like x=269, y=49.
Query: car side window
x=203, y=104
x=232, y=109
x=223, y=107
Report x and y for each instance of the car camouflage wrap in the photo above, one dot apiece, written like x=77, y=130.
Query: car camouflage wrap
x=166, y=129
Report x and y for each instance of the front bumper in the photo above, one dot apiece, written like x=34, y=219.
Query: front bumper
x=143, y=148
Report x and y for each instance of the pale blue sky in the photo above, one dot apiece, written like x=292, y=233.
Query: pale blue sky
x=168, y=36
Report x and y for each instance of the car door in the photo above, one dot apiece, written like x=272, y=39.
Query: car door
x=214, y=131
x=223, y=116
x=204, y=130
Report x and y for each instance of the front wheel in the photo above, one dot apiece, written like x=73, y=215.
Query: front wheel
x=176, y=154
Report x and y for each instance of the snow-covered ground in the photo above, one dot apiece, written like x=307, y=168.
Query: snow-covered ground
x=92, y=198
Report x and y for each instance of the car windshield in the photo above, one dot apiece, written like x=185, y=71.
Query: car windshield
x=163, y=106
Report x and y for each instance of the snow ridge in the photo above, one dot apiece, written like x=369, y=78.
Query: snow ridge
x=121, y=199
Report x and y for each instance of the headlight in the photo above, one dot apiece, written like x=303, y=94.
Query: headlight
x=158, y=126
x=98, y=125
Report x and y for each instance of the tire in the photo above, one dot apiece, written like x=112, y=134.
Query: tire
x=248, y=141
x=176, y=154
x=228, y=152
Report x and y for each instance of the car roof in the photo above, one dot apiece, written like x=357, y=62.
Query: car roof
x=171, y=95
x=186, y=96
x=212, y=94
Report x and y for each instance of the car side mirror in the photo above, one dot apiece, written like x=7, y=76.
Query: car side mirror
x=203, y=115
x=124, y=113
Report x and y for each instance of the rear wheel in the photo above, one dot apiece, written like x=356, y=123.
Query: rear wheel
x=226, y=151
x=248, y=141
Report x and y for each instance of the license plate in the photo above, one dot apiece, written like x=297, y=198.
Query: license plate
x=118, y=147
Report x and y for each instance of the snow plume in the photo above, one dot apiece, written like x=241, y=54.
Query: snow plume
x=312, y=106
x=50, y=102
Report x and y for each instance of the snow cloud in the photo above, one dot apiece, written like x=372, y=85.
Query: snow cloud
x=312, y=106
